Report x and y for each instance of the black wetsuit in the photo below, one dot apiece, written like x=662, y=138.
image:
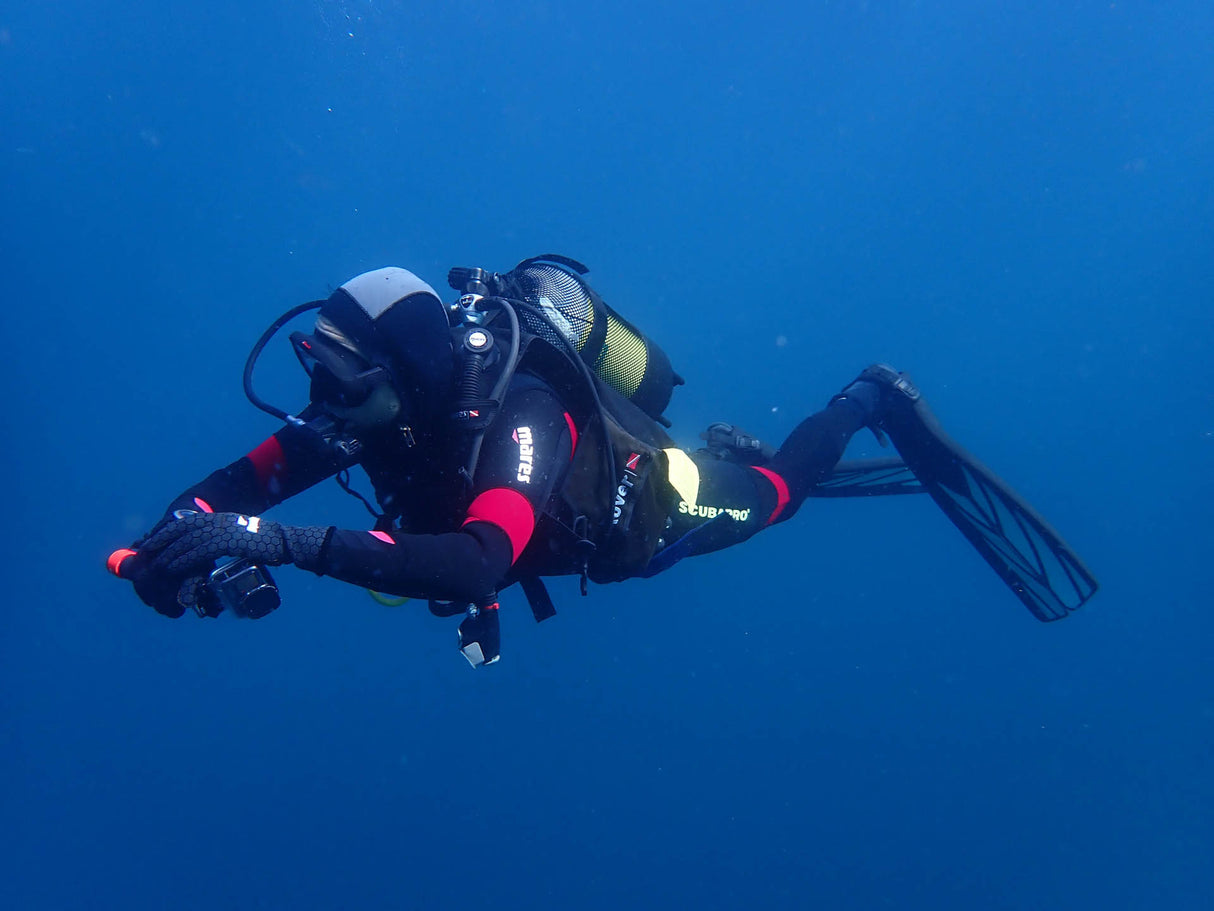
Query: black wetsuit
x=735, y=501
x=452, y=542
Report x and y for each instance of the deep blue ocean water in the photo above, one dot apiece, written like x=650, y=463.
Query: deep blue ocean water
x=1011, y=200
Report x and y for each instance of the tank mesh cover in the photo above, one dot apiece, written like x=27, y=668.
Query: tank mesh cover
x=563, y=301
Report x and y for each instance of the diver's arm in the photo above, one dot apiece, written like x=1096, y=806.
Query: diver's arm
x=287, y=463
x=464, y=566
x=524, y=456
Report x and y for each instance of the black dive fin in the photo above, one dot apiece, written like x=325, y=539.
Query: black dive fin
x=1010, y=535
x=868, y=478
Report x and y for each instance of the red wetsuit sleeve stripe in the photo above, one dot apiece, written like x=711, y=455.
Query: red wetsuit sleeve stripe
x=781, y=486
x=268, y=461
x=510, y=511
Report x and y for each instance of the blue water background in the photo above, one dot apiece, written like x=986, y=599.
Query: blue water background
x=1011, y=200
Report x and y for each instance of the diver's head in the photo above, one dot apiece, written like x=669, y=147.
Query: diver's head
x=381, y=351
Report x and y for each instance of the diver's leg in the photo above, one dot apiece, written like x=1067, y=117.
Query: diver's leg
x=816, y=444
x=724, y=502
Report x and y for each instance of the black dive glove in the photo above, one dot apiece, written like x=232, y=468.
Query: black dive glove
x=480, y=635
x=192, y=544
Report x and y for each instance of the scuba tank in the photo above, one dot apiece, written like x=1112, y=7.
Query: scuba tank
x=565, y=310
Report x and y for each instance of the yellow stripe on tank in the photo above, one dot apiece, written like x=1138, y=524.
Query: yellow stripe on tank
x=623, y=360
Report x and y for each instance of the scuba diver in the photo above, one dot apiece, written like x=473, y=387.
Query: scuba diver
x=517, y=433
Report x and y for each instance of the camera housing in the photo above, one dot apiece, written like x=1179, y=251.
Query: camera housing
x=244, y=588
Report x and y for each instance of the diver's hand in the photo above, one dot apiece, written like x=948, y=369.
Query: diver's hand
x=191, y=544
x=165, y=593
x=480, y=635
